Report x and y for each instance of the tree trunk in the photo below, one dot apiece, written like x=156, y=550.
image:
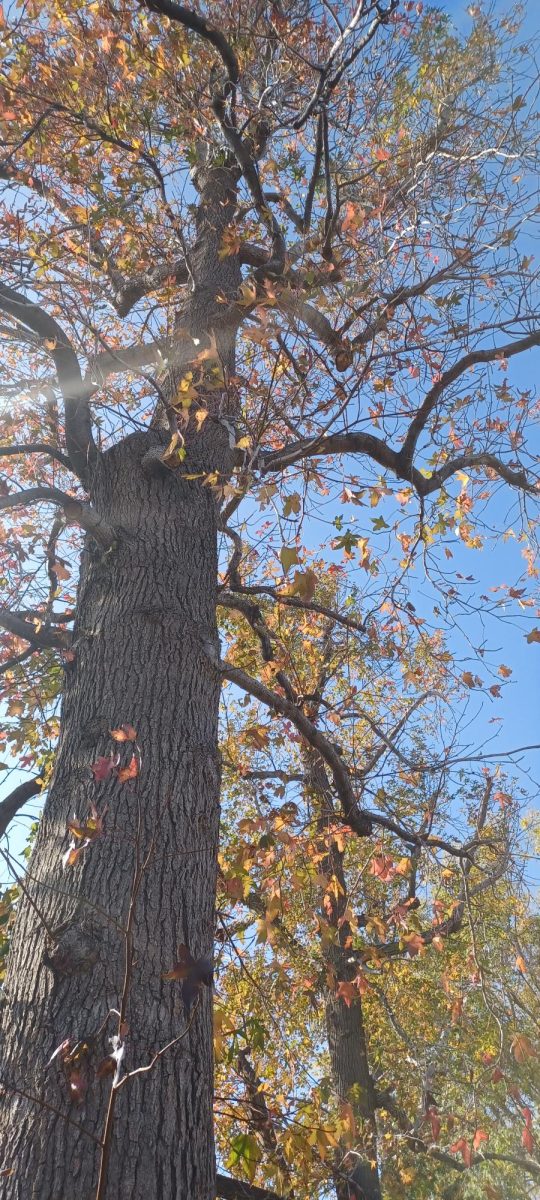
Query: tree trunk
x=146, y=654
x=356, y=1173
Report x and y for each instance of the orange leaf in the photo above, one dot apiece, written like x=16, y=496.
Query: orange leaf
x=129, y=772
x=126, y=733
x=479, y=1137
x=462, y=1147
x=527, y=1140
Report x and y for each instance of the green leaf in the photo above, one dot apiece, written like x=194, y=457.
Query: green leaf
x=245, y=1153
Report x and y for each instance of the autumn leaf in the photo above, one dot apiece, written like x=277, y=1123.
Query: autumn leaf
x=522, y=1048
x=347, y=992
x=103, y=766
x=534, y=635
x=288, y=556
x=435, y=1122
x=462, y=1147
x=130, y=772
x=304, y=584
x=382, y=867
x=126, y=733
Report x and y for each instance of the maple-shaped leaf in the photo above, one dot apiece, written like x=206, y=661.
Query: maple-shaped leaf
x=382, y=867
x=479, y=1137
x=130, y=772
x=103, y=766
x=347, y=992
x=304, y=584
x=462, y=1147
x=126, y=733
x=534, y=635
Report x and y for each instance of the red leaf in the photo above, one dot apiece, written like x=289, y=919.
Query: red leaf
x=382, y=867
x=103, y=766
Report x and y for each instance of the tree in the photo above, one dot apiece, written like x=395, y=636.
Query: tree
x=235, y=244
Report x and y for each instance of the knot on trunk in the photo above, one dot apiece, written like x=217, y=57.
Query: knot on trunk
x=74, y=950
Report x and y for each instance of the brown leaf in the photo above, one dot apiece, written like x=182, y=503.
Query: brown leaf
x=522, y=1048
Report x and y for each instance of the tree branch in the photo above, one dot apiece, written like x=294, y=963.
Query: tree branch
x=9, y=807
x=44, y=638
x=191, y=20
x=76, y=511
x=227, y=600
x=465, y=462
x=236, y=1189
x=352, y=814
x=81, y=447
x=37, y=448
x=448, y=377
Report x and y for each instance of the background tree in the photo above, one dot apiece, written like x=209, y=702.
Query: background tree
x=270, y=258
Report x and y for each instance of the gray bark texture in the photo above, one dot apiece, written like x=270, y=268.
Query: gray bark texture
x=146, y=654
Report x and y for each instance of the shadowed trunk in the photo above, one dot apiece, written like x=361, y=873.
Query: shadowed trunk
x=146, y=654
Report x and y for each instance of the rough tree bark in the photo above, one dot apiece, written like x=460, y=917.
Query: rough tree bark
x=357, y=1173
x=146, y=653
